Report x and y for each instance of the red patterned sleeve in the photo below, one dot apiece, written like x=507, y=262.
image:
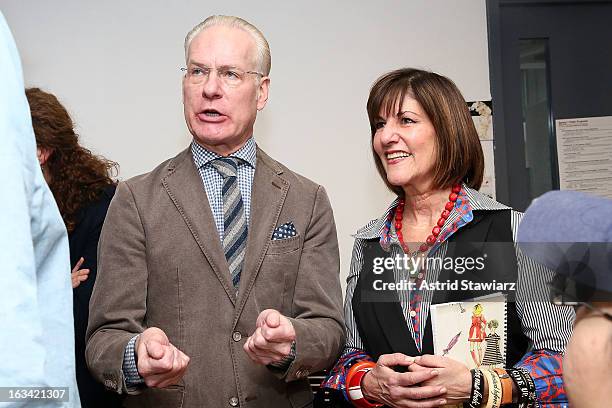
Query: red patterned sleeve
x=546, y=369
x=337, y=375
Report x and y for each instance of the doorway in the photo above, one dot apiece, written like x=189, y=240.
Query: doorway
x=548, y=60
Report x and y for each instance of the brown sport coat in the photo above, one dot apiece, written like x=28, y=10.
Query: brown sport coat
x=161, y=264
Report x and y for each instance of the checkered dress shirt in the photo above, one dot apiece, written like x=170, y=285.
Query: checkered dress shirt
x=213, y=182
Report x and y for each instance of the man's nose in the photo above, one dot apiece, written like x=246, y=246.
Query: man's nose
x=212, y=88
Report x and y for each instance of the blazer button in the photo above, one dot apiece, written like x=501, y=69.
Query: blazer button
x=234, y=401
x=236, y=336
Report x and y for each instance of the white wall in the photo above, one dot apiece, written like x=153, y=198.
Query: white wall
x=115, y=65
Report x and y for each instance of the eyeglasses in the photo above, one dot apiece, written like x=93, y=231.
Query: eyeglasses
x=229, y=76
x=559, y=296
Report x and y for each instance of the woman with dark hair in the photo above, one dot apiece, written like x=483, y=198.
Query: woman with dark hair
x=427, y=151
x=83, y=188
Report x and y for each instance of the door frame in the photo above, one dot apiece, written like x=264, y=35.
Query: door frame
x=504, y=154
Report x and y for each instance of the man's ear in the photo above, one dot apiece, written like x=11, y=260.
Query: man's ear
x=262, y=92
x=43, y=154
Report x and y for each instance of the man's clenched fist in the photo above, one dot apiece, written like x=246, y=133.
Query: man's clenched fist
x=272, y=339
x=159, y=362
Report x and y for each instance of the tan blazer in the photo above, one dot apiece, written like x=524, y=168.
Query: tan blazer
x=161, y=264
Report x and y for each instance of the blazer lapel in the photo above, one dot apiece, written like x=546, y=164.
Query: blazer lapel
x=267, y=198
x=186, y=190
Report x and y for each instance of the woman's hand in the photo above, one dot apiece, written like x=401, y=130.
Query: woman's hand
x=385, y=385
x=79, y=275
x=452, y=375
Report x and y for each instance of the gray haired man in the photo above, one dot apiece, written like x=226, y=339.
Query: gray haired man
x=218, y=270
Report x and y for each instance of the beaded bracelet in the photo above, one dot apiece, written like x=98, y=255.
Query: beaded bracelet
x=476, y=395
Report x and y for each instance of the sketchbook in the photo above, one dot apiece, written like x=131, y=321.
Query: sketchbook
x=473, y=332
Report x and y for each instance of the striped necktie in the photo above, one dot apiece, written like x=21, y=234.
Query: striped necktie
x=234, y=220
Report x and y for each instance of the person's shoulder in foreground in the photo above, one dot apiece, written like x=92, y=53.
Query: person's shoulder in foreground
x=579, y=250
x=35, y=284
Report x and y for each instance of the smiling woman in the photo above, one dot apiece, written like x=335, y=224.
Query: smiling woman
x=427, y=151
x=426, y=111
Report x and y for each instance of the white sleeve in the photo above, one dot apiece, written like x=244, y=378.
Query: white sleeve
x=353, y=340
x=21, y=352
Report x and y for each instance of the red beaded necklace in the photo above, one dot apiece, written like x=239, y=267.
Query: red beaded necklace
x=431, y=239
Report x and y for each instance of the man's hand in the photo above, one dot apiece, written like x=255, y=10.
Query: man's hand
x=272, y=339
x=159, y=362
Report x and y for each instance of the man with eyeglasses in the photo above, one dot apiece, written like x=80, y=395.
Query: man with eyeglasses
x=218, y=271
x=577, y=245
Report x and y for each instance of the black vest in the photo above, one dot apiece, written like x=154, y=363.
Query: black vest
x=379, y=315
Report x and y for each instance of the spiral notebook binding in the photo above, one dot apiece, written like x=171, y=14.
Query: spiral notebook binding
x=505, y=330
x=495, y=356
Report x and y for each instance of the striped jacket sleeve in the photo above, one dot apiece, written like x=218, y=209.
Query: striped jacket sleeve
x=353, y=350
x=547, y=326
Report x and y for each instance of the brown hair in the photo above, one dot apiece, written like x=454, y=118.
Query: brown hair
x=459, y=156
x=78, y=177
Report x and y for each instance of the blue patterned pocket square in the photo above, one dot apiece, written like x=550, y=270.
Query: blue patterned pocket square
x=287, y=230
